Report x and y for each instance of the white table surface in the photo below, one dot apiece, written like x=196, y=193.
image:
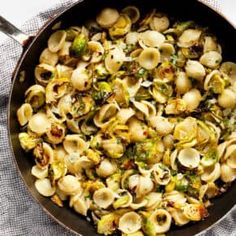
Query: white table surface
x=18, y=11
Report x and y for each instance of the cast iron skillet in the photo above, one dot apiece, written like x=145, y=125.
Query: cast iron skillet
x=75, y=15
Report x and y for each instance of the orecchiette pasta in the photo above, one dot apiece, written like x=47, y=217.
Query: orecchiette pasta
x=132, y=121
x=103, y=197
x=24, y=113
x=130, y=223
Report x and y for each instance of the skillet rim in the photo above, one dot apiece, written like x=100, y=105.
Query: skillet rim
x=15, y=73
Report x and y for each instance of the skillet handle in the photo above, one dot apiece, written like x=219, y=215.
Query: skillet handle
x=7, y=28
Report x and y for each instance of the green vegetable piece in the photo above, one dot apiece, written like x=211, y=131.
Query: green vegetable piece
x=148, y=150
x=217, y=84
x=56, y=171
x=104, y=89
x=113, y=182
x=101, y=71
x=149, y=228
x=121, y=201
x=106, y=225
x=181, y=184
x=143, y=94
x=210, y=158
x=27, y=141
x=182, y=26
x=79, y=45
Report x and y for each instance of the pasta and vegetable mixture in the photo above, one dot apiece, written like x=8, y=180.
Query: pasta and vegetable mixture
x=132, y=121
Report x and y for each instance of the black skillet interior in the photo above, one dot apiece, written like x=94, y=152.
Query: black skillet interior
x=179, y=10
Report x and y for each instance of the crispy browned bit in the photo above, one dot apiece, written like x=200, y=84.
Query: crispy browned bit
x=55, y=199
x=56, y=131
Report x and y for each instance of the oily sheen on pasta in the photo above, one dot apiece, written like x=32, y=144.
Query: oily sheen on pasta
x=131, y=121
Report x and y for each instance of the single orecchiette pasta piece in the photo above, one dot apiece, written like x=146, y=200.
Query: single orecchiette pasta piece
x=168, y=141
x=81, y=79
x=189, y=158
x=149, y=58
x=120, y=93
x=192, y=98
x=72, y=162
x=211, y=173
x=113, y=147
x=80, y=204
x=227, y=99
x=183, y=83
x=130, y=222
x=176, y=197
x=229, y=68
x=125, y=114
x=97, y=51
x=48, y=57
x=43, y=154
x=151, y=38
x=144, y=186
x=54, y=115
x=162, y=125
x=230, y=156
x=114, y=60
x=211, y=59
x=63, y=71
x=69, y=185
x=132, y=12
x=24, y=113
x=103, y=197
x=39, y=123
x=106, y=168
x=65, y=50
x=107, y=17
x=121, y=27
x=73, y=143
x=59, y=153
x=105, y=114
x=139, y=204
x=154, y=200
x=56, y=41
x=56, y=89
x=43, y=73
x=44, y=187
x=166, y=50
x=212, y=190
x=132, y=38
x=138, y=130
x=210, y=44
x=35, y=96
x=227, y=174
x=133, y=85
x=56, y=133
x=161, y=174
x=160, y=221
x=195, y=212
x=178, y=216
x=214, y=82
x=189, y=37
x=159, y=22
x=195, y=70
x=65, y=105
x=39, y=173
